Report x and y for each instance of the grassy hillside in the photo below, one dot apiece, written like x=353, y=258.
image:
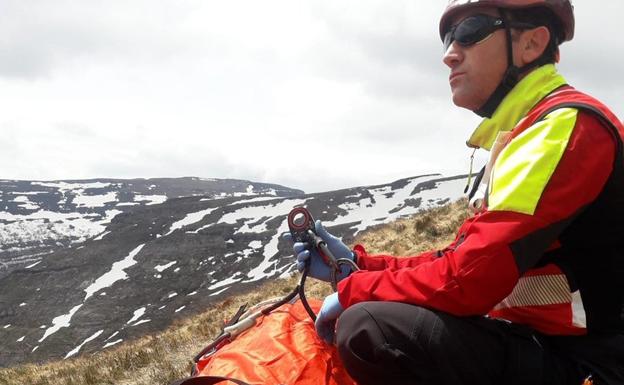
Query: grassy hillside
x=163, y=357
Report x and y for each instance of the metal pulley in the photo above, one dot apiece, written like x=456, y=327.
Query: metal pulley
x=301, y=225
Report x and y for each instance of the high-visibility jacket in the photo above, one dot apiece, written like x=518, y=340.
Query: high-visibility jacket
x=545, y=247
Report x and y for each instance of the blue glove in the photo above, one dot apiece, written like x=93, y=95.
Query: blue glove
x=326, y=319
x=318, y=268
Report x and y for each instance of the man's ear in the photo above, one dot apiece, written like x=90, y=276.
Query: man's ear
x=533, y=43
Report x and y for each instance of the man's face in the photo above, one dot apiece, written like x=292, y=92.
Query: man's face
x=476, y=70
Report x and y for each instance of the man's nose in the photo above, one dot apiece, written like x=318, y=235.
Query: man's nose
x=453, y=55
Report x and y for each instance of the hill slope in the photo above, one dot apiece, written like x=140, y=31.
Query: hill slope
x=160, y=358
x=160, y=262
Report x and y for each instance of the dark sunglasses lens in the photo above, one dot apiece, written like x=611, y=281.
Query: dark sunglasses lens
x=472, y=30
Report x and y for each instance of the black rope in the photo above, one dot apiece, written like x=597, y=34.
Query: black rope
x=212, y=346
x=301, y=289
x=281, y=302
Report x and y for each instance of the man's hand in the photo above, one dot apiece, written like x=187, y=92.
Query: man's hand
x=319, y=269
x=326, y=319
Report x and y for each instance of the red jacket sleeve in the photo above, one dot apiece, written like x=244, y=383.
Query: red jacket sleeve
x=382, y=261
x=483, y=267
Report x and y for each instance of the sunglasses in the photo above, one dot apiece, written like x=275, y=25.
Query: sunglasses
x=476, y=28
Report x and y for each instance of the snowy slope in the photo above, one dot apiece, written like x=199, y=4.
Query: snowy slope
x=38, y=217
x=168, y=259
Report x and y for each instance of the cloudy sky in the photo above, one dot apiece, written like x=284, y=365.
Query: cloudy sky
x=312, y=94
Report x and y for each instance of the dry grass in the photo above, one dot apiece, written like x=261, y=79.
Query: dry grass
x=164, y=357
x=429, y=230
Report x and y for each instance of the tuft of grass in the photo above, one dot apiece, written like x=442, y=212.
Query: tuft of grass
x=161, y=358
x=430, y=230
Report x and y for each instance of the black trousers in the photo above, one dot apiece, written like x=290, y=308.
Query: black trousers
x=394, y=343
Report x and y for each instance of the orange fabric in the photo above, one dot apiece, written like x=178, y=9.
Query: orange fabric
x=283, y=348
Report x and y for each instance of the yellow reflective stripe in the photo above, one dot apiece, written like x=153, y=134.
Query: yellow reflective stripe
x=522, y=98
x=525, y=165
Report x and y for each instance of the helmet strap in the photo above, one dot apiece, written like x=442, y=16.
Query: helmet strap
x=510, y=78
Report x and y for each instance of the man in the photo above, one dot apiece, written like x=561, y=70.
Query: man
x=543, y=256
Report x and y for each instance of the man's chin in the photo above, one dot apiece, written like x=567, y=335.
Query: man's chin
x=462, y=103
x=465, y=101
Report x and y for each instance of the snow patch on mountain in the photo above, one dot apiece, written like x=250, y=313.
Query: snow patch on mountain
x=226, y=282
x=138, y=313
x=59, y=322
x=161, y=268
x=50, y=225
x=77, y=348
x=25, y=203
x=95, y=200
x=116, y=273
x=33, y=265
x=67, y=186
x=255, y=244
x=112, y=335
x=250, y=200
x=101, y=236
x=151, y=199
x=109, y=344
x=189, y=219
x=270, y=251
x=218, y=292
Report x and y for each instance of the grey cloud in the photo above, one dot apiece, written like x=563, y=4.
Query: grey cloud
x=593, y=61
x=34, y=53
x=595, y=68
x=399, y=64
x=403, y=80
x=144, y=162
x=197, y=160
x=36, y=38
x=34, y=42
x=408, y=68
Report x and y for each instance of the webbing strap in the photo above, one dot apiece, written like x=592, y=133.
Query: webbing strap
x=207, y=380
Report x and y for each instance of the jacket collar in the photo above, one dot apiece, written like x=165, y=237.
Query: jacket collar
x=522, y=98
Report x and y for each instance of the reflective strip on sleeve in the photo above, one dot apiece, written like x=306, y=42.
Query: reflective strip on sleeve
x=526, y=164
x=538, y=291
